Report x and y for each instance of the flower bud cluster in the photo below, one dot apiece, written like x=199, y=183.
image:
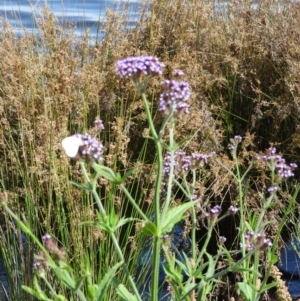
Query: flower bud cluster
x=222, y=239
x=235, y=141
x=52, y=248
x=135, y=67
x=90, y=148
x=174, y=97
x=232, y=210
x=213, y=213
x=278, y=163
x=41, y=260
x=99, y=125
x=273, y=189
x=257, y=242
x=183, y=163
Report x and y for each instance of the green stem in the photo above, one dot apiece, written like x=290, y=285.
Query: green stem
x=133, y=203
x=282, y=223
x=217, y=275
x=27, y=231
x=242, y=220
x=165, y=122
x=158, y=182
x=194, y=220
x=207, y=239
x=171, y=174
x=112, y=235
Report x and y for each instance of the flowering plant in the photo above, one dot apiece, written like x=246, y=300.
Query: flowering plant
x=170, y=265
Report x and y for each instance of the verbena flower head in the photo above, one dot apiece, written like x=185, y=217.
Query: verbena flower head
x=222, y=239
x=213, y=213
x=277, y=163
x=136, y=66
x=273, y=189
x=99, y=125
x=174, y=97
x=83, y=147
x=183, y=163
x=235, y=141
x=262, y=242
x=233, y=210
x=37, y=266
x=52, y=248
x=257, y=242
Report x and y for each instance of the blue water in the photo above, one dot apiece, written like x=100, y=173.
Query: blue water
x=80, y=14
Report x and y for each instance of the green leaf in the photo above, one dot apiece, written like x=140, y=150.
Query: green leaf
x=91, y=289
x=124, y=221
x=101, y=224
x=128, y=174
x=113, y=219
x=173, y=216
x=38, y=295
x=119, y=178
x=267, y=287
x=81, y=186
x=60, y=298
x=106, y=173
x=211, y=266
x=80, y=280
x=107, y=279
x=123, y=291
x=180, y=143
x=272, y=258
x=246, y=290
x=149, y=229
x=204, y=288
x=173, y=273
x=66, y=278
x=185, y=264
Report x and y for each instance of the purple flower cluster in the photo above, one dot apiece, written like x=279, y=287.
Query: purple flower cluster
x=236, y=140
x=175, y=96
x=272, y=189
x=183, y=163
x=99, y=125
x=37, y=266
x=256, y=242
x=136, y=66
x=213, y=213
x=90, y=148
x=278, y=163
x=222, y=239
x=41, y=260
x=232, y=210
x=234, y=143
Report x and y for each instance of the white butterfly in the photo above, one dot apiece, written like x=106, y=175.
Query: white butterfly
x=71, y=145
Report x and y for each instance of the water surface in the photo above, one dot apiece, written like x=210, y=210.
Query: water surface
x=81, y=14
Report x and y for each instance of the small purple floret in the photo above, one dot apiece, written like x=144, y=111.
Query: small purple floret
x=178, y=73
x=273, y=189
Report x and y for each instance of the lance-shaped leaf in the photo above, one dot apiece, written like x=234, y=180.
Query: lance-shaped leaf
x=173, y=216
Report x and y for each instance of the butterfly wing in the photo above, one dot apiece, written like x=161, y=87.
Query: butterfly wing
x=71, y=145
